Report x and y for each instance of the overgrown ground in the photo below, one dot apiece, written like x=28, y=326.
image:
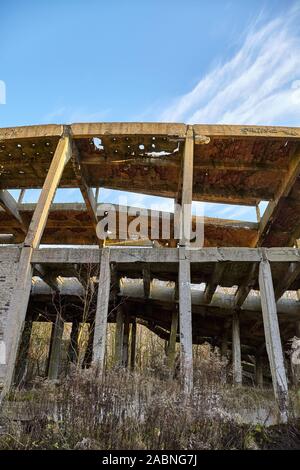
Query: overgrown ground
x=141, y=410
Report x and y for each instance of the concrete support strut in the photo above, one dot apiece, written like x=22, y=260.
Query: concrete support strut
x=102, y=310
x=272, y=335
x=185, y=321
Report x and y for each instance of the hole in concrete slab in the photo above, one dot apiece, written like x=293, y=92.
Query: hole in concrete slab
x=64, y=195
x=227, y=211
x=31, y=195
x=98, y=143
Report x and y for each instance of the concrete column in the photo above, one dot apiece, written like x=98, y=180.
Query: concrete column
x=102, y=310
x=236, y=350
x=185, y=321
x=55, y=348
x=172, y=340
x=119, y=337
x=133, y=344
x=272, y=335
x=21, y=364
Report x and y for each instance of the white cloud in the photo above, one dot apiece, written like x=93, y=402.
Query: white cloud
x=260, y=84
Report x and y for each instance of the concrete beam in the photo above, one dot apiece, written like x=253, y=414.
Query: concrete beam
x=214, y=282
x=244, y=289
x=165, y=255
x=11, y=207
x=86, y=191
x=290, y=276
x=47, y=276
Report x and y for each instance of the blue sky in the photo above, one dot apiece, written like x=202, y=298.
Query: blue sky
x=217, y=61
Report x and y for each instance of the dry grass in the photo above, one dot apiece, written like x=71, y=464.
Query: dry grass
x=136, y=410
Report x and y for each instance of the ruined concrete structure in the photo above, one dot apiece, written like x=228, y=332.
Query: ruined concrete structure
x=222, y=164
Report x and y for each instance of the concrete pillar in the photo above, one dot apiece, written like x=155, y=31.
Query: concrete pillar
x=119, y=337
x=73, y=346
x=55, y=348
x=21, y=364
x=236, y=350
x=172, y=340
x=102, y=310
x=259, y=377
x=133, y=344
x=272, y=335
x=185, y=321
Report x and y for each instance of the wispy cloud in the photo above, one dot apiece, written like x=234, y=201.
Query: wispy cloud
x=260, y=84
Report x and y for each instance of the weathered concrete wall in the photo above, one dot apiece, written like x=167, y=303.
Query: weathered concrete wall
x=9, y=258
